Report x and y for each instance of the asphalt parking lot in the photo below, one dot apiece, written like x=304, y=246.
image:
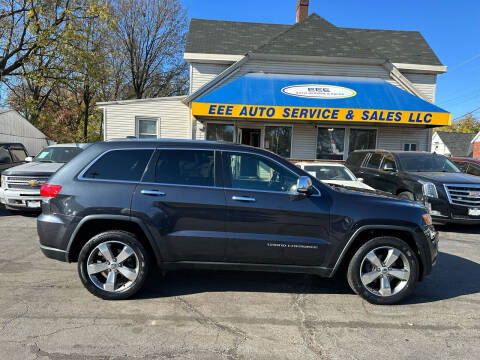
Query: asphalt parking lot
x=45, y=313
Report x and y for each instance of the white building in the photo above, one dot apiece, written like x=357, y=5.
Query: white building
x=306, y=77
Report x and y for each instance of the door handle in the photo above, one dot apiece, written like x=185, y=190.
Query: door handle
x=152, y=192
x=243, y=198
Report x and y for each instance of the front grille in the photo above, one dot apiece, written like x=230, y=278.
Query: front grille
x=24, y=182
x=463, y=194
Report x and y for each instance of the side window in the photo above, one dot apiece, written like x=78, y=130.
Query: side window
x=4, y=156
x=374, y=161
x=253, y=172
x=462, y=166
x=125, y=165
x=388, y=163
x=186, y=167
x=474, y=169
x=18, y=155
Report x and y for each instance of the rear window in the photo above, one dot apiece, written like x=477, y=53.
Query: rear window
x=186, y=167
x=355, y=159
x=124, y=165
x=374, y=161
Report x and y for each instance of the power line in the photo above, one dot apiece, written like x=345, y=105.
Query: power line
x=470, y=112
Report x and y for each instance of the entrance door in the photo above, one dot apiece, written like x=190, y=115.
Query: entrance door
x=250, y=137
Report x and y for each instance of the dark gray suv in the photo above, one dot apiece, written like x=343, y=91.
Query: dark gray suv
x=121, y=207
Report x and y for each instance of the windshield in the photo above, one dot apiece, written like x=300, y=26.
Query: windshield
x=57, y=154
x=426, y=163
x=326, y=172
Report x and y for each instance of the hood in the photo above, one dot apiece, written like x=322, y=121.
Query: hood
x=34, y=169
x=447, y=178
x=353, y=184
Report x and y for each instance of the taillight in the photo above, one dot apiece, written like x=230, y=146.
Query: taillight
x=51, y=191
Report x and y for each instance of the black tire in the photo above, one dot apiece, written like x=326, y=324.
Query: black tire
x=407, y=195
x=355, y=267
x=115, y=237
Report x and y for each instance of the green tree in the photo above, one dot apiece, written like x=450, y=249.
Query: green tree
x=468, y=124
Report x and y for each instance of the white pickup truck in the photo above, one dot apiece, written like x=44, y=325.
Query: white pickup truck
x=20, y=185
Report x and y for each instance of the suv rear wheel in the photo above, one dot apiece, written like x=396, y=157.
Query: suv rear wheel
x=383, y=271
x=113, y=265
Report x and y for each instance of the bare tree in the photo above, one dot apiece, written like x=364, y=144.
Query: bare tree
x=152, y=36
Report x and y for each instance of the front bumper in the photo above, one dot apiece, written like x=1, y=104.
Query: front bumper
x=20, y=199
x=443, y=212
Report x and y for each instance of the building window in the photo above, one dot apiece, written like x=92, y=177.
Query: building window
x=330, y=143
x=279, y=140
x=220, y=132
x=147, y=128
x=409, y=147
x=362, y=139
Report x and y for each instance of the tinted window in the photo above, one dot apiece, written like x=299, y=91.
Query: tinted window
x=461, y=165
x=474, y=169
x=18, y=155
x=127, y=165
x=355, y=159
x=4, y=156
x=374, y=161
x=186, y=167
x=388, y=163
x=252, y=172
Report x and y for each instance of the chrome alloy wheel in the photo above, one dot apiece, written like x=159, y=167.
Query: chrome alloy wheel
x=385, y=271
x=113, y=266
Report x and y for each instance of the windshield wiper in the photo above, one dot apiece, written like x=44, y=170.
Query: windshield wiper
x=47, y=161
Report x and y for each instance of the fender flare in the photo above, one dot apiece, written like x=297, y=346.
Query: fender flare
x=421, y=247
x=124, y=218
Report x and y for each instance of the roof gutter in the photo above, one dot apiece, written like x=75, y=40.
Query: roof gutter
x=396, y=75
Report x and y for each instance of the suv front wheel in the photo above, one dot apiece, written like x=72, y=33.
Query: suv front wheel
x=383, y=271
x=113, y=265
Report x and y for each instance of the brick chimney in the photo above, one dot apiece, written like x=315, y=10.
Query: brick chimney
x=476, y=148
x=302, y=10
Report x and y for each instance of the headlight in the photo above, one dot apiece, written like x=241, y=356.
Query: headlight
x=2, y=181
x=429, y=189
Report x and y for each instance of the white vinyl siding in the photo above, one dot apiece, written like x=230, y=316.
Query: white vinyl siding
x=173, y=118
x=393, y=138
x=425, y=83
x=203, y=73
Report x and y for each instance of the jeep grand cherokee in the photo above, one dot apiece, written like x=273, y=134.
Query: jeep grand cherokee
x=121, y=207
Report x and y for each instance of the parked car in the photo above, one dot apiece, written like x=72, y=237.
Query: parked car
x=468, y=165
x=333, y=174
x=12, y=154
x=121, y=207
x=432, y=179
x=20, y=185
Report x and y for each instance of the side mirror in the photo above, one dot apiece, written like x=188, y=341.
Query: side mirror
x=360, y=179
x=304, y=185
x=29, y=159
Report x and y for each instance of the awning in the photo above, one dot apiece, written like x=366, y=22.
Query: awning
x=325, y=98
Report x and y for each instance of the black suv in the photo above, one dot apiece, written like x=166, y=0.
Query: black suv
x=432, y=179
x=120, y=207
x=11, y=154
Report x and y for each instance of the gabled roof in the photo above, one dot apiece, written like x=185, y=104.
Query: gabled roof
x=313, y=36
x=459, y=144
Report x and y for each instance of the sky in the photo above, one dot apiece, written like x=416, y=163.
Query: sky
x=451, y=28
